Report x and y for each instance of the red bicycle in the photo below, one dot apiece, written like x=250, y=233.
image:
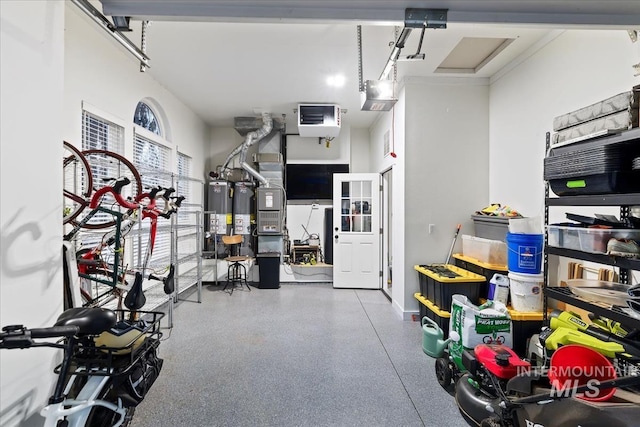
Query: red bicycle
x=103, y=263
x=117, y=206
x=89, y=171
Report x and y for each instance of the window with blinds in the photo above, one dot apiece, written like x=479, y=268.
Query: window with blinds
x=102, y=134
x=98, y=133
x=153, y=161
x=184, y=186
x=184, y=171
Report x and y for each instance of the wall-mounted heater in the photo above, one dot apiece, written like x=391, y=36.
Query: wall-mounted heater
x=319, y=120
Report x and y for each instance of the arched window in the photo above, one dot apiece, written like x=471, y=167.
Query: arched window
x=152, y=158
x=146, y=118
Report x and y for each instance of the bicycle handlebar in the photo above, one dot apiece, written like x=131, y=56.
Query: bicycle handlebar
x=172, y=206
x=17, y=336
x=154, y=192
x=114, y=189
x=179, y=200
x=120, y=183
x=167, y=193
x=54, y=331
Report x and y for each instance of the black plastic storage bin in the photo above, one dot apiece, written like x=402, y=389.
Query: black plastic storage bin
x=269, y=268
x=481, y=268
x=603, y=183
x=439, y=288
x=427, y=289
x=524, y=325
x=594, y=166
x=428, y=309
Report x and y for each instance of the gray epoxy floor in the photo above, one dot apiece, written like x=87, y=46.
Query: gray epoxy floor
x=301, y=355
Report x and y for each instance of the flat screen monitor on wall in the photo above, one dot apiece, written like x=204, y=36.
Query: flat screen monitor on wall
x=312, y=181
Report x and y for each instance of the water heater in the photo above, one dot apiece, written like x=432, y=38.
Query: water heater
x=218, y=219
x=243, y=213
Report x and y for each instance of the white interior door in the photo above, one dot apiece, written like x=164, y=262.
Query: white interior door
x=356, y=231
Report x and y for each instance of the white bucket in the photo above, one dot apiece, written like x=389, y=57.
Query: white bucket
x=526, y=291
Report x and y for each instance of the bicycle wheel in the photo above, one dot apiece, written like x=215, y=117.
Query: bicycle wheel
x=77, y=182
x=99, y=416
x=105, y=167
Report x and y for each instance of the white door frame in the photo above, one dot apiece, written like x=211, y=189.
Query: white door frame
x=386, y=261
x=356, y=231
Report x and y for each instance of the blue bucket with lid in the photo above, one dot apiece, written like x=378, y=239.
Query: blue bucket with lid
x=524, y=252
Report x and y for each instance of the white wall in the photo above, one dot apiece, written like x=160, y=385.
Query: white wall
x=31, y=70
x=311, y=150
x=100, y=72
x=54, y=60
x=360, y=151
x=314, y=150
x=446, y=176
x=440, y=171
x=311, y=216
x=575, y=69
x=393, y=123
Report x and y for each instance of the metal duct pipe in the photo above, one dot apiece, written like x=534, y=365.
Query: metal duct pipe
x=255, y=174
x=250, y=139
x=104, y=23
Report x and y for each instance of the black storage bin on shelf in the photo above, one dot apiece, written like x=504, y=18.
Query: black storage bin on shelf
x=269, y=268
x=603, y=183
x=524, y=325
x=438, y=287
x=428, y=309
x=595, y=166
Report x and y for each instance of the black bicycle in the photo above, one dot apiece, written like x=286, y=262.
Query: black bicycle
x=110, y=362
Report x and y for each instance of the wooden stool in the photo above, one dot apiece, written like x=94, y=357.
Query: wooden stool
x=236, y=271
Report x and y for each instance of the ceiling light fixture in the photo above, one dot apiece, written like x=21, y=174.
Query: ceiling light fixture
x=375, y=95
x=379, y=95
x=337, y=80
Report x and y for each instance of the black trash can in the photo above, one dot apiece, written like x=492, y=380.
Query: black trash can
x=269, y=269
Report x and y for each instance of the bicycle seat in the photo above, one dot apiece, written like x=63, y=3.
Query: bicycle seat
x=168, y=281
x=135, y=298
x=91, y=320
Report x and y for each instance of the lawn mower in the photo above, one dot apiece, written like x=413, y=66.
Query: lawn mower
x=501, y=390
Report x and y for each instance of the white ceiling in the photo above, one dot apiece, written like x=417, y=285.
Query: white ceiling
x=226, y=59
